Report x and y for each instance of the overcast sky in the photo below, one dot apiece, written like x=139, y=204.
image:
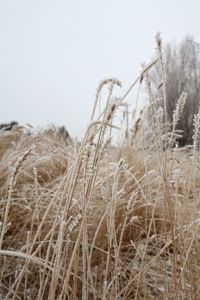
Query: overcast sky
x=53, y=53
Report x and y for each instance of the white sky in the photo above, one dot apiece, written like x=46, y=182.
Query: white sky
x=53, y=53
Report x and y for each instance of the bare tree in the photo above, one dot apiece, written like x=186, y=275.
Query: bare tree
x=182, y=74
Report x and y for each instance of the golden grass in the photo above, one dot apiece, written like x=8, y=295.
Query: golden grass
x=113, y=242
x=93, y=221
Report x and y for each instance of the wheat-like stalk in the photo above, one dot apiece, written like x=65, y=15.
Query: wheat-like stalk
x=94, y=220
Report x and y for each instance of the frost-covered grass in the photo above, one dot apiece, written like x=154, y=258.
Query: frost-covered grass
x=88, y=220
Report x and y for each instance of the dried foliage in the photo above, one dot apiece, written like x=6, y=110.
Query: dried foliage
x=92, y=221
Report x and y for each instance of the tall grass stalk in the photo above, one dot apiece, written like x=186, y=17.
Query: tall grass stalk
x=90, y=220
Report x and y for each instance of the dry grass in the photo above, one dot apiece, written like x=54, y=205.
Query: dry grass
x=93, y=221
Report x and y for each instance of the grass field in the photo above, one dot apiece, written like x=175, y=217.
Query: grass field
x=89, y=220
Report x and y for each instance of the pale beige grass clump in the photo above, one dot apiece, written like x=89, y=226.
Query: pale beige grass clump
x=41, y=226
x=93, y=221
x=129, y=248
